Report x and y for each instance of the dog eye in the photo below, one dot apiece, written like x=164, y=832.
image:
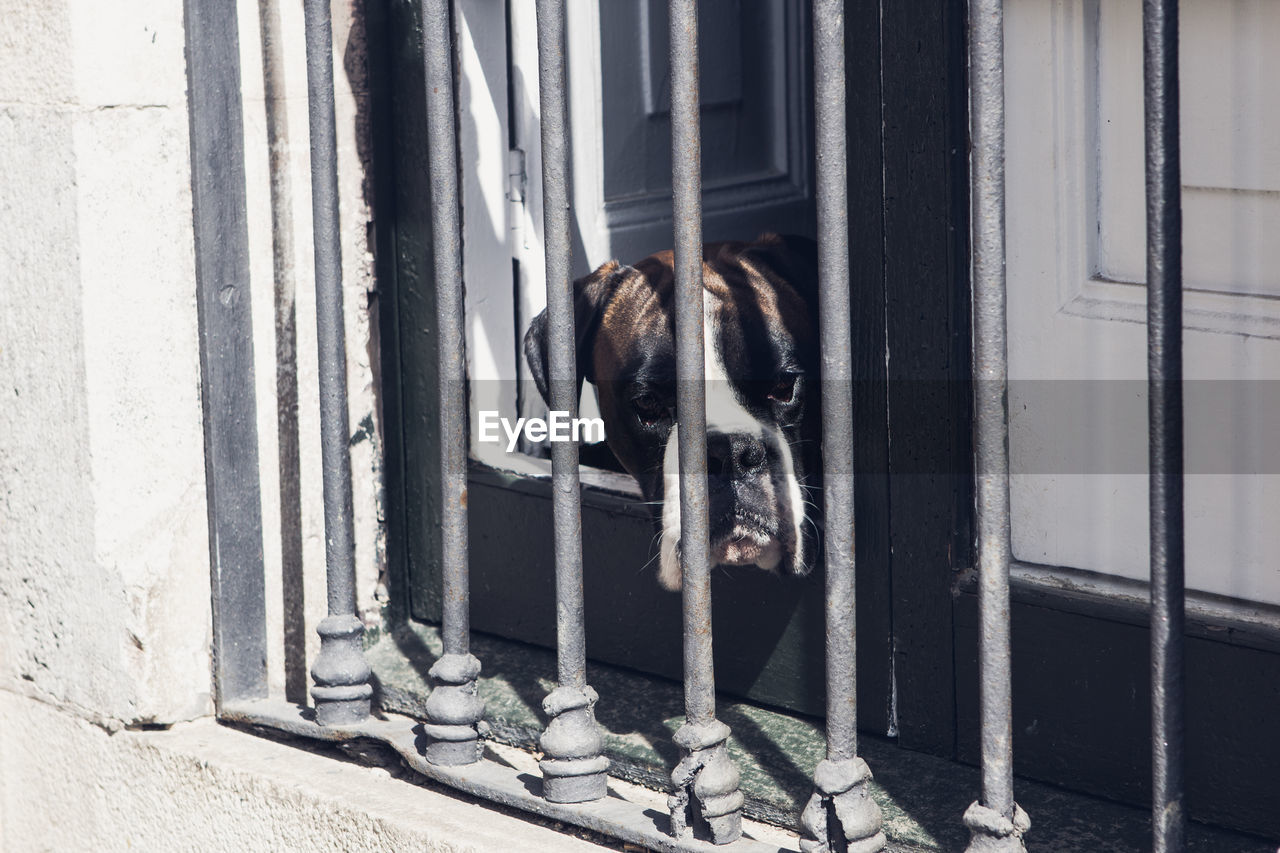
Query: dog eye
x=649, y=409
x=784, y=389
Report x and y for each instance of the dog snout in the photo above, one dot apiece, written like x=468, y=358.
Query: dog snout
x=735, y=456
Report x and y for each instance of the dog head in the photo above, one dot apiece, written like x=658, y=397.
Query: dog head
x=761, y=367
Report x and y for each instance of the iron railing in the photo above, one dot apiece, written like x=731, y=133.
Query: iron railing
x=841, y=803
x=995, y=821
x=454, y=710
x=342, y=691
x=1164, y=380
x=573, y=767
x=704, y=762
x=841, y=814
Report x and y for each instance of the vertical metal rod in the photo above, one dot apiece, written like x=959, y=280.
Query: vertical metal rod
x=1164, y=372
x=454, y=707
x=995, y=822
x=573, y=768
x=705, y=762
x=840, y=815
x=691, y=404
x=837, y=395
x=342, y=691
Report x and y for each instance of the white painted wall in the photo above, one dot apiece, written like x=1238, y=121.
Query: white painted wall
x=104, y=555
x=104, y=580
x=102, y=466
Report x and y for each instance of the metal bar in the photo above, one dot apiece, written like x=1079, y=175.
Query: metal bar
x=342, y=691
x=717, y=803
x=573, y=769
x=1164, y=374
x=453, y=709
x=995, y=822
x=226, y=350
x=691, y=411
x=840, y=815
x=837, y=395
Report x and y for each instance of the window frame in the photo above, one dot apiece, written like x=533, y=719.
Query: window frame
x=913, y=570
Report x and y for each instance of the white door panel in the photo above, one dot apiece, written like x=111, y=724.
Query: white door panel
x=1230, y=56
x=1076, y=237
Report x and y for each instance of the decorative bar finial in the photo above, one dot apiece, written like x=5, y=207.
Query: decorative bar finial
x=454, y=709
x=342, y=691
x=842, y=804
x=992, y=832
x=706, y=784
x=573, y=770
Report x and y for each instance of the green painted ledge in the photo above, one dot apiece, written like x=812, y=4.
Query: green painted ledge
x=922, y=797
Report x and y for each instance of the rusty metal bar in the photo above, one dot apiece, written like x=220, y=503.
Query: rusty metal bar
x=706, y=796
x=573, y=768
x=840, y=815
x=342, y=691
x=995, y=822
x=453, y=709
x=1164, y=374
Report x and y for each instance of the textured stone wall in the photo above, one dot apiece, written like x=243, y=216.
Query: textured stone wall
x=104, y=578
x=104, y=573
x=204, y=787
x=105, y=617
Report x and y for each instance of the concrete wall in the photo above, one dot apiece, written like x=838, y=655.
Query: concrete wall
x=104, y=556
x=105, y=553
x=200, y=786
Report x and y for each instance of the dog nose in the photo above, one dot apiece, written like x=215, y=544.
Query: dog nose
x=734, y=455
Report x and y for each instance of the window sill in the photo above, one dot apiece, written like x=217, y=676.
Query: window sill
x=205, y=786
x=921, y=796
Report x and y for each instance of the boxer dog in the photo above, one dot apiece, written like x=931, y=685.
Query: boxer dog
x=762, y=389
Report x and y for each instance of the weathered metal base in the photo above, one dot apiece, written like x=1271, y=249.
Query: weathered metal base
x=582, y=781
x=452, y=753
x=706, y=784
x=342, y=692
x=992, y=832
x=573, y=770
x=841, y=815
x=454, y=710
x=332, y=709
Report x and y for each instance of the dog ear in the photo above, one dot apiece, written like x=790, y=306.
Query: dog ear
x=591, y=294
x=793, y=258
